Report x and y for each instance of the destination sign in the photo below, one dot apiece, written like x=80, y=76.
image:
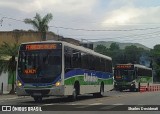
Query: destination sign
x=30, y=71
x=40, y=46
x=124, y=66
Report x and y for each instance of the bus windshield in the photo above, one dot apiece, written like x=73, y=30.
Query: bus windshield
x=124, y=75
x=44, y=65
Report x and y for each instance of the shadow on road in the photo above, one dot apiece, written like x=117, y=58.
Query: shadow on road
x=60, y=100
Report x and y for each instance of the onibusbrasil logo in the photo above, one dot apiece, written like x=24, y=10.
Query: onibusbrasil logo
x=21, y=108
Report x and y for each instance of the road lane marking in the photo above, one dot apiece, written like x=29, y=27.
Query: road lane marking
x=118, y=104
x=96, y=104
x=47, y=104
x=72, y=104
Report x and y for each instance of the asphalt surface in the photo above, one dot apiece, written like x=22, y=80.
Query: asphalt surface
x=112, y=102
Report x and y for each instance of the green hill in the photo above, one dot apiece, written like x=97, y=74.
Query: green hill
x=121, y=45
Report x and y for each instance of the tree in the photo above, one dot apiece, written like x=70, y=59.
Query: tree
x=155, y=54
x=40, y=24
x=101, y=49
x=132, y=54
x=8, y=62
x=114, y=46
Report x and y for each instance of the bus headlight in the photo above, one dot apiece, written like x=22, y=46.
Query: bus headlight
x=19, y=84
x=58, y=83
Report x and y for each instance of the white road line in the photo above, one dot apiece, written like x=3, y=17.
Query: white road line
x=96, y=104
x=47, y=104
x=118, y=104
x=73, y=104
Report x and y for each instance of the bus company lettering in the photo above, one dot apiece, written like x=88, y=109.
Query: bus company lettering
x=88, y=78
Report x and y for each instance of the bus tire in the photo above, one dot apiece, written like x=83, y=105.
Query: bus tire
x=147, y=89
x=133, y=88
x=139, y=85
x=73, y=97
x=76, y=92
x=101, y=93
x=37, y=99
x=102, y=90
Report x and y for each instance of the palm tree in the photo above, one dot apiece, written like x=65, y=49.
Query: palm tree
x=8, y=62
x=40, y=24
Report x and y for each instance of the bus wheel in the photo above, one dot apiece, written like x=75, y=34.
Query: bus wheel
x=133, y=88
x=139, y=86
x=73, y=97
x=76, y=91
x=37, y=99
x=101, y=93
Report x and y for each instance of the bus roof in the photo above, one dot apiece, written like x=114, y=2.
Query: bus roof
x=142, y=66
x=83, y=49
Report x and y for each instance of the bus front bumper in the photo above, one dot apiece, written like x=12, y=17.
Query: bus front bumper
x=122, y=87
x=55, y=91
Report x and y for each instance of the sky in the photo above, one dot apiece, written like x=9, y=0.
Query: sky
x=136, y=21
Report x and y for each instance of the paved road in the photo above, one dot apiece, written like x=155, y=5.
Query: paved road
x=111, y=101
x=84, y=99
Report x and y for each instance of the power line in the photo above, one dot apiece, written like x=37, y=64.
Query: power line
x=82, y=29
x=102, y=30
x=133, y=39
x=133, y=35
x=150, y=35
x=4, y=17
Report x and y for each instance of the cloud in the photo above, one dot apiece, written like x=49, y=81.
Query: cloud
x=122, y=16
x=51, y=5
x=132, y=15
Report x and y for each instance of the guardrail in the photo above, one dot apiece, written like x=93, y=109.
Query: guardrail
x=151, y=88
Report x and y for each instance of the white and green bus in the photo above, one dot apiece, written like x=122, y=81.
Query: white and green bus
x=132, y=76
x=55, y=68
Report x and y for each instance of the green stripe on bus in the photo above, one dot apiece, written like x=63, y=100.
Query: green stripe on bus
x=80, y=78
x=144, y=79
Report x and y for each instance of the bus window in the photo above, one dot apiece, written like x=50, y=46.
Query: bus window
x=76, y=59
x=85, y=61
